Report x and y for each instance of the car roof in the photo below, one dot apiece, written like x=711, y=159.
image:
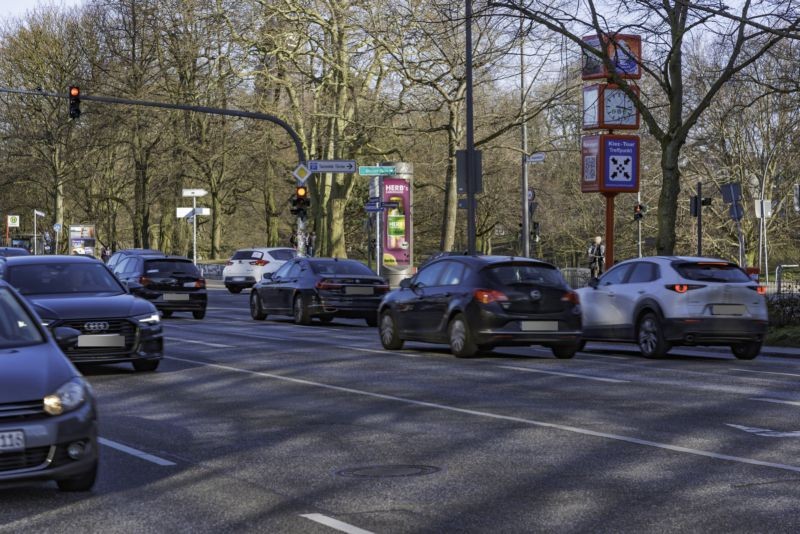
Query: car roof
x=50, y=259
x=141, y=251
x=483, y=261
x=670, y=259
x=165, y=257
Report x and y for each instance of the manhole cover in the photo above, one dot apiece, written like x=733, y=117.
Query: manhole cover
x=387, y=471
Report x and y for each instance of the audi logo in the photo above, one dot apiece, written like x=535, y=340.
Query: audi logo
x=96, y=326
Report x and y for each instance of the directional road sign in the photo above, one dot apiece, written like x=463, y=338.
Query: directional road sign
x=194, y=192
x=301, y=173
x=376, y=171
x=332, y=165
x=536, y=157
x=188, y=213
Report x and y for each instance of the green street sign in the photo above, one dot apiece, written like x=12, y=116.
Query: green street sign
x=375, y=171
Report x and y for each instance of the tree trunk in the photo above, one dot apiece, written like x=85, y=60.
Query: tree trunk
x=450, y=212
x=336, y=227
x=216, y=225
x=668, y=200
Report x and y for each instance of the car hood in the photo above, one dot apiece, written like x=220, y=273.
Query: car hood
x=67, y=307
x=31, y=373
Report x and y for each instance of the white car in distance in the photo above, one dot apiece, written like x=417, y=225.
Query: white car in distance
x=248, y=265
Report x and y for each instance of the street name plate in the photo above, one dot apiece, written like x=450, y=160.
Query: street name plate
x=332, y=165
x=376, y=171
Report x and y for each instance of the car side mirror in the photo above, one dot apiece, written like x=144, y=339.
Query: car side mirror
x=594, y=282
x=405, y=283
x=66, y=337
x=266, y=276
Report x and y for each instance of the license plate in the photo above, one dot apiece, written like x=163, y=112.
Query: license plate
x=12, y=441
x=176, y=296
x=238, y=278
x=539, y=326
x=358, y=290
x=728, y=309
x=101, y=340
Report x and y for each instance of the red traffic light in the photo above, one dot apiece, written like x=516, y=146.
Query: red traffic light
x=74, y=102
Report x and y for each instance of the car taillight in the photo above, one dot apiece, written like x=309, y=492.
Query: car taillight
x=200, y=283
x=487, y=296
x=683, y=288
x=384, y=288
x=145, y=281
x=327, y=284
x=571, y=296
x=761, y=290
x=229, y=263
x=259, y=263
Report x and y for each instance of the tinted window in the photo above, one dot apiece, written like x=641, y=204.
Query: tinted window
x=294, y=272
x=247, y=255
x=330, y=267
x=17, y=327
x=284, y=254
x=170, y=268
x=429, y=276
x=125, y=266
x=453, y=274
x=59, y=278
x=711, y=272
x=526, y=273
x=615, y=275
x=284, y=269
x=643, y=272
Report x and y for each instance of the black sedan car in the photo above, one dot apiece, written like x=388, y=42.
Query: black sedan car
x=48, y=419
x=319, y=287
x=475, y=303
x=171, y=283
x=81, y=293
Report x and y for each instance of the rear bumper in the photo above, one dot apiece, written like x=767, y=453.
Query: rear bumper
x=713, y=330
x=196, y=302
x=244, y=282
x=546, y=329
x=349, y=308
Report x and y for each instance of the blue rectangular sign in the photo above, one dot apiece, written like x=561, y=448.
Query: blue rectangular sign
x=620, y=163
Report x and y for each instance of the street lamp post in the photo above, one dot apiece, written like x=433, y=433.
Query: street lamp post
x=194, y=193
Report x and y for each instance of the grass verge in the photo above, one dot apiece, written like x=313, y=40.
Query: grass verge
x=783, y=336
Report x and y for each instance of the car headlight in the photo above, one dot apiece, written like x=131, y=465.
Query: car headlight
x=149, y=318
x=66, y=398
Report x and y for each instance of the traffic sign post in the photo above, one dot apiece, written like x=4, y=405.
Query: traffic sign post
x=194, y=193
x=376, y=171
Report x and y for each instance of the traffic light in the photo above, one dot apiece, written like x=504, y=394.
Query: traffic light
x=639, y=210
x=300, y=201
x=695, y=206
x=797, y=198
x=74, y=102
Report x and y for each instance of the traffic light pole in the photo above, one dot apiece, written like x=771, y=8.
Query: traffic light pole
x=470, y=152
x=699, y=219
x=639, y=223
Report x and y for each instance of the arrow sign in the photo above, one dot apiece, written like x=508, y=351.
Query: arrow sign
x=376, y=171
x=347, y=166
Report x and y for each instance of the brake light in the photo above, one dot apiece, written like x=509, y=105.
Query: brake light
x=145, y=281
x=487, y=296
x=382, y=288
x=571, y=296
x=761, y=290
x=200, y=283
x=259, y=263
x=683, y=288
x=327, y=285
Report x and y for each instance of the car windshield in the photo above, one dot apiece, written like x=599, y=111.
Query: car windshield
x=17, y=327
x=61, y=278
x=247, y=255
x=711, y=272
x=170, y=268
x=526, y=273
x=332, y=267
x=283, y=254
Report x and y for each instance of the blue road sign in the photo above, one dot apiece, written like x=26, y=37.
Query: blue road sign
x=620, y=163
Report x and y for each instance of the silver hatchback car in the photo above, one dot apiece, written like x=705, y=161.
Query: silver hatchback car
x=664, y=301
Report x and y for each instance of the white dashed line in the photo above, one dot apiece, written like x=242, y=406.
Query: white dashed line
x=215, y=345
x=335, y=524
x=776, y=401
x=570, y=375
x=765, y=372
x=135, y=452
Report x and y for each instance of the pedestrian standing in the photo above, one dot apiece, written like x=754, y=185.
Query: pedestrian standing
x=597, y=257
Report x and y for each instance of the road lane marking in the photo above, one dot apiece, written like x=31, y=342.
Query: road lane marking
x=392, y=352
x=776, y=401
x=489, y=415
x=135, y=452
x=765, y=372
x=215, y=345
x=766, y=432
x=570, y=375
x=335, y=524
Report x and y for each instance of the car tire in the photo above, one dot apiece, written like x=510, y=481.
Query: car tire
x=145, y=366
x=256, y=311
x=199, y=314
x=234, y=290
x=564, y=351
x=325, y=319
x=166, y=314
x=82, y=482
x=581, y=345
x=371, y=321
x=462, y=345
x=300, y=311
x=485, y=349
x=747, y=350
x=390, y=337
x=650, y=337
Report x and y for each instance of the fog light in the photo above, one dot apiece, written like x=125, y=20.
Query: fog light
x=76, y=450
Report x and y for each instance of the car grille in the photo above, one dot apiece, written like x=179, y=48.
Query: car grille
x=27, y=459
x=21, y=411
x=115, y=326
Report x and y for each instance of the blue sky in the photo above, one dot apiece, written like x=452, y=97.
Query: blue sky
x=17, y=8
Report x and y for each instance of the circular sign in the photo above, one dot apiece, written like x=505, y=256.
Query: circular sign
x=57, y=227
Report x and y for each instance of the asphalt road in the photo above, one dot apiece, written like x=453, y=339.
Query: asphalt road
x=271, y=427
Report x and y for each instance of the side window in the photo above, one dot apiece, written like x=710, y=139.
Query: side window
x=122, y=266
x=643, y=272
x=294, y=272
x=283, y=270
x=453, y=274
x=429, y=276
x=615, y=275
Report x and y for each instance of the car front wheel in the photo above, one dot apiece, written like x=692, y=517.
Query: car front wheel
x=145, y=365
x=234, y=289
x=565, y=351
x=747, y=350
x=651, y=337
x=199, y=314
x=390, y=337
x=301, y=315
x=461, y=343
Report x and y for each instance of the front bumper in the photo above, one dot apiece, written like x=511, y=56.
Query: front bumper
x=713, y=330
x=146, y=343
x=46, y=441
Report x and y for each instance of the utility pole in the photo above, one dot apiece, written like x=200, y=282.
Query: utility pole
x=699, y=218
x=470, y=152
x=526, y=220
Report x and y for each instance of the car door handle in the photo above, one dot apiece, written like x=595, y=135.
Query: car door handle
x=641, y=291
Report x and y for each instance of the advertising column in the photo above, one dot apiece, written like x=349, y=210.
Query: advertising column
x=397, y=237
x=82, y=239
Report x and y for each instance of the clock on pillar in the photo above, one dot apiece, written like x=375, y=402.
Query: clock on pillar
x=607, y=107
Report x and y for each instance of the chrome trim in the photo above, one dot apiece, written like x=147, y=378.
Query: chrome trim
x=41, y=467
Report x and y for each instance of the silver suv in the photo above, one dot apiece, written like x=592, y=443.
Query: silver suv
x=663, y=301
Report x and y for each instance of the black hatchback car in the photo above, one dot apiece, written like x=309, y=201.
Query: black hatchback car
x=171, y=283
x=81, y=293
x=48, y=419
x=319, y=287
x=475, y=303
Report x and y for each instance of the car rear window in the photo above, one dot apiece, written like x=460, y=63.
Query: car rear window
x=247, y=255
x=526, y=273
x=331, y=267
x=171, y=267
x=284, y=254
x=711, y=271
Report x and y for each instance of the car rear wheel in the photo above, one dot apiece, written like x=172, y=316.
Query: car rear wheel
x=234, y=290
x=82, y=482
x=390, y=337
x=166, y=313
x=651, y=337
x=301, y=315
x=565, y=351
x=256, y=311
x=199, y=314
x=325, y=319
x=145, y=365
x=371, y=321
x=747, y=350
x=461, y=343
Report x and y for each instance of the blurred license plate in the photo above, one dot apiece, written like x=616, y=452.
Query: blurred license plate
x=358, y=291
x=101, y=340
x=238, y=278
x=176, y=296
x=12, y=441
x=727, y=309
x=539, y=326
